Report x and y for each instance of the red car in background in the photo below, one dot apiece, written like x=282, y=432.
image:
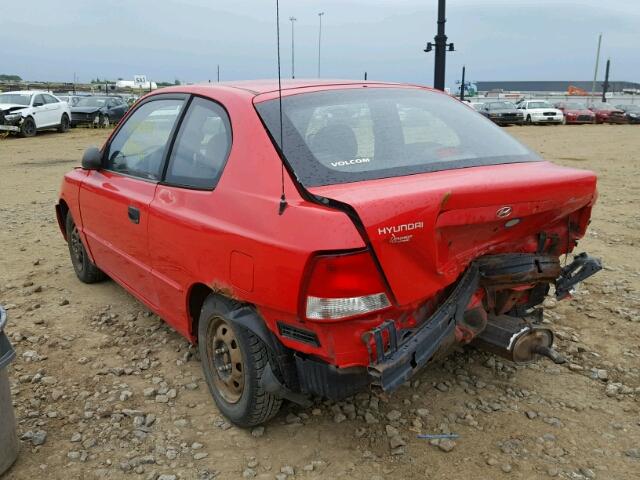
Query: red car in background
x=607, y=113
x=336, y=237
x=576, y=113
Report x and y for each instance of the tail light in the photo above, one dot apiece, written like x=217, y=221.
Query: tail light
x=343, y=286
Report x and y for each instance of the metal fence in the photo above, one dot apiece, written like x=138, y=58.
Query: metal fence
x=617, y=99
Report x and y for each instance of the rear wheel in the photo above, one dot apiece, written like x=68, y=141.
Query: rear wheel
x=85, y=269
x=28, y=128
x=233, y=360
x=64, y=123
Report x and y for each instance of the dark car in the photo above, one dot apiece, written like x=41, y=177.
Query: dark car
x=502, y=113
x=98, y=111
x=365, y=248
x=631, y=112
x=607, y=113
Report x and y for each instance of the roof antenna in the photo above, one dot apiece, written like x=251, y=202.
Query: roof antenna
x=283, y=198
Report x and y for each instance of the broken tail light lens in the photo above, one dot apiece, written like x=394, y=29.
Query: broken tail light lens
x=343, y=286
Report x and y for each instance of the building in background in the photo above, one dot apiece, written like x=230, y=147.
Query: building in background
x=139, y=81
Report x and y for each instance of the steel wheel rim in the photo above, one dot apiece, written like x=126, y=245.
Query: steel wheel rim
x=225, y=359
x=77, y=252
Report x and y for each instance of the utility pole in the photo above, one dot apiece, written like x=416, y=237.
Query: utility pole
x=319, y=41
x=218, y=73
x=293, y=52
x=605, y=86
x=462, y=85
x=365, y=76
x=440, y=44
x=595, y=73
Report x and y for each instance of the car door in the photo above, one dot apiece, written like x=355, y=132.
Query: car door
x=117, y=109
x=53, y=109
x=180, y=218
x=39, y=111
x=114, y=201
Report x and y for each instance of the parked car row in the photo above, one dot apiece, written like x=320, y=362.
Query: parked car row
x=567, y=112
x=26, y=112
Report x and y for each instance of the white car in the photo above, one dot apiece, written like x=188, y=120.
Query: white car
x=540, y=111
x=26, y=112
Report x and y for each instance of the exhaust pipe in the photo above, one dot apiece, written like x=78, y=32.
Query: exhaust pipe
x=517, y=340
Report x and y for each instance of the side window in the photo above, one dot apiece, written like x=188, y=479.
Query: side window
x=138, y=147
x=38, y=101
x=201, y=148
x=50, y=99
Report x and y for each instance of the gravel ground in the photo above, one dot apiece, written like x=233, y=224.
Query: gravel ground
x=103, y=389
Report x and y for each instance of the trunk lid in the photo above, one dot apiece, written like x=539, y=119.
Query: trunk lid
x=425, y=229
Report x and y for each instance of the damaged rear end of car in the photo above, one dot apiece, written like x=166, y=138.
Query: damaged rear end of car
x=466, y=231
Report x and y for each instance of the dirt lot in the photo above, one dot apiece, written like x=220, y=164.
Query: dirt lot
x=103, y=389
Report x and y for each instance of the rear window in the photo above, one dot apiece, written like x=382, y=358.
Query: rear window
x=349, y=135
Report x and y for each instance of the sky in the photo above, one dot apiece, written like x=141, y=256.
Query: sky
x=186, y=39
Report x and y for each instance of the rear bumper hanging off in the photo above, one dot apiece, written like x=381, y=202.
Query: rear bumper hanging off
x=399, y=354
x=396, y=364
x=582, y=267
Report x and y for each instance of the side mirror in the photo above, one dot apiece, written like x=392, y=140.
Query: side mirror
x=92, y=159
x=38, y=104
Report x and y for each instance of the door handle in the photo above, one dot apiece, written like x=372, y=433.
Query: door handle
x=134, y=214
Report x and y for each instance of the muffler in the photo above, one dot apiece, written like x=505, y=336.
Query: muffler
x=517, y=340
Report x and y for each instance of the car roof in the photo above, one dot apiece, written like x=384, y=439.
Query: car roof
x=27, y=92
x=266, y=86
x=271, y=85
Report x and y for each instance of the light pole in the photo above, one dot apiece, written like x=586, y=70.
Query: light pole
x=595, y=73
x=319, y=40
x=440, y=44
x=293, y=52
x=605, y=85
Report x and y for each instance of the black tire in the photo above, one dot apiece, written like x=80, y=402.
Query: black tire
x=85, y=269
x=64, y=123
x=252, y=405
x=28, y=128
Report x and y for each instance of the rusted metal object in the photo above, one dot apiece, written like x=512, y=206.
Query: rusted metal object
x=517, y=340
x=513, y=279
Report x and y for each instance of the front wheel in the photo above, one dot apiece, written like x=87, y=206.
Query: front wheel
x=103, y=121
x=64, y=123
x=233, y=361
x=86, y=270
x=28, y=128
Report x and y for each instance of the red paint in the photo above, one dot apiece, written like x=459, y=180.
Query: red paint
x=232, y=238
x=576, y=116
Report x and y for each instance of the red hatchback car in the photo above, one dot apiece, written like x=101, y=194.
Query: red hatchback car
x=338, y=237
x=576, y=113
